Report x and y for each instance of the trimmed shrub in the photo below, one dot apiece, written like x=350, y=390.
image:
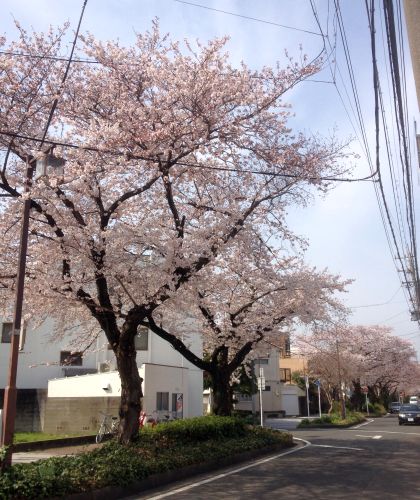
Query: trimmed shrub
x=333, y=420
x=196, y=429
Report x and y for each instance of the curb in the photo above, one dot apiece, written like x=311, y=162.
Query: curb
x=330, y=426
x=53, y=443
x=162, y=479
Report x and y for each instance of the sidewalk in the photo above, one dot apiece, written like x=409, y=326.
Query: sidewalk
x=284, y=424
x=33, y=456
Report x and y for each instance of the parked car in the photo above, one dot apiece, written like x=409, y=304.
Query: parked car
x=414, y=400
x=394, y=407
x=409, y=414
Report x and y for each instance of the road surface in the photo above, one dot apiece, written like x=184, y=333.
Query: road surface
x=379, y=460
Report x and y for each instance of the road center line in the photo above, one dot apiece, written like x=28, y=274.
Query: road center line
x=337, y=447
x=234, y=471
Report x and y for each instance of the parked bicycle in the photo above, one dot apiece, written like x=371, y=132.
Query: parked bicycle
x=156, y=417
x=109, y=426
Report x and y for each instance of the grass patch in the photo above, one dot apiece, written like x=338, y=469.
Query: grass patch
x=32, y=437
x=333, y=420
x=166, y=447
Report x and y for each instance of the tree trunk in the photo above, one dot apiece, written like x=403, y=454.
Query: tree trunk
x=222, y=401
x=131, y=392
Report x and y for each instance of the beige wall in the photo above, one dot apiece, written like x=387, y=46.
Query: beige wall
x=76, y=415
x=295, y=363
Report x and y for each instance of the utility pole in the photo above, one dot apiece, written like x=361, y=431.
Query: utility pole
x=307, y=392
x=10, y=393
x=340, y=388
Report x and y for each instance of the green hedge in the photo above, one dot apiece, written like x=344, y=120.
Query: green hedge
x=197, y=429
x=333, y=420
x=168, y=446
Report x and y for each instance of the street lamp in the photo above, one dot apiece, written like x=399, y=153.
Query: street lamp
x=10, y=393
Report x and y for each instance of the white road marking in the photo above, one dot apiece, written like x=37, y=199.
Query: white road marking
x=370, y=437
x=234, y=471
x=361, y=425
x=396, y=432
x=337, y=447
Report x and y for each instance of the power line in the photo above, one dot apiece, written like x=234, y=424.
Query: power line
x=400, y=108
x=247, y=17
x=194, y=165
x=379, y=304
x=59, y=58
x=46, y=57
x=371, y=17
x=55, y=102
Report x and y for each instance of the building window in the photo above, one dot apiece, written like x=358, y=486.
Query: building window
x=177, y=404
x=287, y=352
x=68, y=358
x=141, y=340
x=6, y=333
x=162, y=401
x=261, y=361
x=285, y=375
x=244, y=397
x=267, y=388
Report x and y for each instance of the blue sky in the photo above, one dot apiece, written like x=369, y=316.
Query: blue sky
x=344, y=228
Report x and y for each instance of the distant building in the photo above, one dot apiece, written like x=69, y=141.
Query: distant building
x=279, y=395
x=62, y=391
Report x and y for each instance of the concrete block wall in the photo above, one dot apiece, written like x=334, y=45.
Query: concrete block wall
x=77, y=415
x=29, y=408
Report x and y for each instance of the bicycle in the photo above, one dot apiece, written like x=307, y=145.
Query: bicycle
x=109, y=426
x=146, y=419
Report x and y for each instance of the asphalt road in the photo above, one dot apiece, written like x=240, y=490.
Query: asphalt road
x=380, y=460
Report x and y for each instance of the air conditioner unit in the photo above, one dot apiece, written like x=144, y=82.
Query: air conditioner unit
x=104, y=367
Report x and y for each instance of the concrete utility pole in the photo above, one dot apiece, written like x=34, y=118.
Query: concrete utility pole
x=307, y=393
x=340, y=388
x=10, y=392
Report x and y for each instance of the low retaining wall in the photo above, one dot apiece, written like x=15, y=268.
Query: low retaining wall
x=73, y=415
x=29, y=409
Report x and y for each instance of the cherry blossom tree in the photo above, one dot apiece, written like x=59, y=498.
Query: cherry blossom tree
x=246, y=299
x=170, y=151
x=361, y=355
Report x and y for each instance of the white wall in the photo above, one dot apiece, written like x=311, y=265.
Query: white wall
x=39, y=363
x=290, y=399
x=157, y=378
x=163, y=378
x=91, y=385
x=40, y=359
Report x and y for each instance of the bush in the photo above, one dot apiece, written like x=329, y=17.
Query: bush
x=168, y=446
x=333, y=420
x=196, y=429
x=379, y=410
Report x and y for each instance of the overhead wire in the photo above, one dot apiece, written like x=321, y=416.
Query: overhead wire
x=400, y=109
x=390, y=233
x=379, y=304
x=186, y=164
x=247, y=17
x=359, y=118
x=371, y=18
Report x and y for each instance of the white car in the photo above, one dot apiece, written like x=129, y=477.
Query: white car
x=413, y=400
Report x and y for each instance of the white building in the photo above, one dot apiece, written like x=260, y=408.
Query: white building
x=53, y=379
x=279, y=395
